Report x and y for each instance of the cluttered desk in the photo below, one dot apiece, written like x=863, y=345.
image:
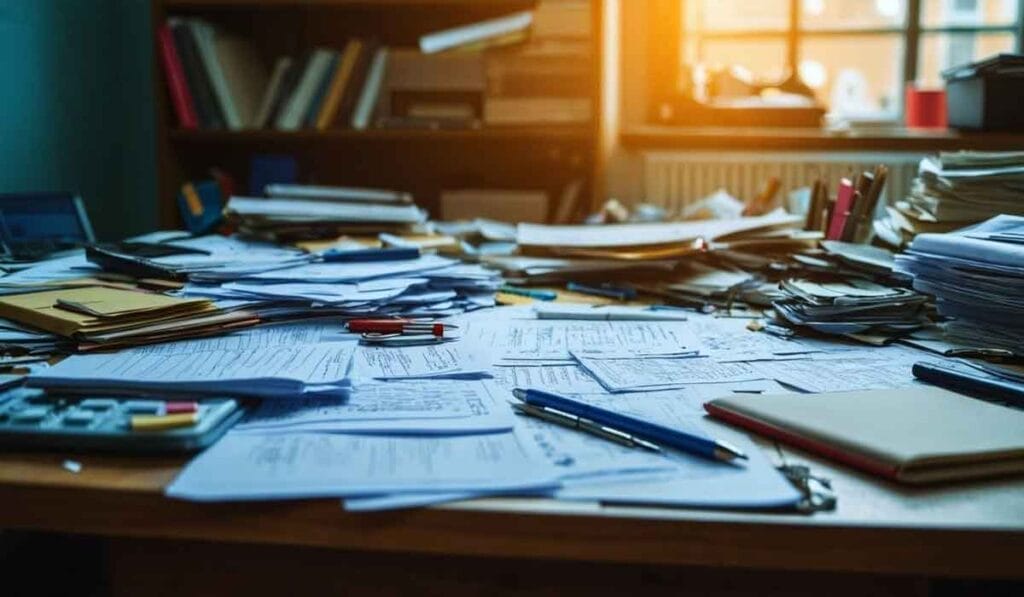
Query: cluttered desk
x=751, y=389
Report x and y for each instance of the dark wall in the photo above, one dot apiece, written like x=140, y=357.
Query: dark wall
x=76, y=113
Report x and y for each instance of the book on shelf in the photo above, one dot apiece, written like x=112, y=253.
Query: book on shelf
x=283, y=68
x=181, y=98
x=525, y=68
x=369, y=96
x=196, y=77
x=475, y=32
x=340, y=79
x=290, y=117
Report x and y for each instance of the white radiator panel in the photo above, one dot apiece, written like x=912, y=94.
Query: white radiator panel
x=676, y=179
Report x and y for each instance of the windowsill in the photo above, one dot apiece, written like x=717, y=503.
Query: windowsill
x=797, y=139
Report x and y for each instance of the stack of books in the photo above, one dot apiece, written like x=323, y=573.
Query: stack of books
x=550, y=78
x=977, y=277
x=217, y=80
x=953, y=190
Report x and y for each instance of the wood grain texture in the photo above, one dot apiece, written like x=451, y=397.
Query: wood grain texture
x=964, y=530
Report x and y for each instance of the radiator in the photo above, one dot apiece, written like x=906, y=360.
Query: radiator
x=676, y=179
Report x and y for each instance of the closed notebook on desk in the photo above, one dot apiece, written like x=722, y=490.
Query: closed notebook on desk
x=912, y=435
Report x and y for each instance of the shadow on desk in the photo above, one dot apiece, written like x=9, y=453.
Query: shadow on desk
x=42, y=565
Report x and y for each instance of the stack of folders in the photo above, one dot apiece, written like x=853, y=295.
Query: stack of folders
x=95, y=317
x=303, y=212
x=954, y=190
x=977, y=277
x=851, y=306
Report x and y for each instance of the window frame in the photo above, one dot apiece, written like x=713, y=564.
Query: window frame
x=666, y=17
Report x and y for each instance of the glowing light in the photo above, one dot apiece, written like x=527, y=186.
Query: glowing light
x=888, y=8
x=813, y=73
x=814, y=7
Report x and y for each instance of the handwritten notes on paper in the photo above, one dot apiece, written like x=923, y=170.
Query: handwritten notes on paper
x=535, y=341
x=630, y=374
x=244, y=466
x=440, y=407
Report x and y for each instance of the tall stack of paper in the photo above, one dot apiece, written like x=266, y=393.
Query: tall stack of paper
x=956, y=189
x=977, y=276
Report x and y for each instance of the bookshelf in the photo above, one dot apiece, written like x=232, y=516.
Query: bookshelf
x=421, y=161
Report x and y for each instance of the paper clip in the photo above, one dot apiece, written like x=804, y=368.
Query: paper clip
x=399, y=339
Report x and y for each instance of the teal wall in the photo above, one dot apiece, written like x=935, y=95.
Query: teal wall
x=76, y=106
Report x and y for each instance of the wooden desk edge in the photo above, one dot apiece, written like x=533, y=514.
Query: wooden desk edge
x=548, y=533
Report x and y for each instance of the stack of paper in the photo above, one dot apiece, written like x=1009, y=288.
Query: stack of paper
x=954, y=190
x=977, y=276
x=851, y=306
x=641, y=242
x=198, y=367
x=323, y=212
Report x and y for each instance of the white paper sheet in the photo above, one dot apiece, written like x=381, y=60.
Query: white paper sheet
x=459, y=359
x=619, y=374
x=878, y=368
x=410, y=408
x=551, y=341
x=244, y=466
x=267, y=371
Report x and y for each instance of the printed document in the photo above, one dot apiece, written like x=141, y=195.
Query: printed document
x=248, y=466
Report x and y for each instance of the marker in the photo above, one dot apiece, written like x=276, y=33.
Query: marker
x=540, y=295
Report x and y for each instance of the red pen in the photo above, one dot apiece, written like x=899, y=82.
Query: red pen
x=396, y=326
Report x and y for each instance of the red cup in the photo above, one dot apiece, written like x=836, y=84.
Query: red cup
x=925, y=108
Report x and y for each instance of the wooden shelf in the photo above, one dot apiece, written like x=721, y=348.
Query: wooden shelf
x=248, y=4
x=558, y=133
x=797, y=139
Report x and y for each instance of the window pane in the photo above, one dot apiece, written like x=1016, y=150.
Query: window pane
x=946, y=13
x=940, y=51
x=764, y=58
x=852, y=14
x=854, y=75
x=726, y=15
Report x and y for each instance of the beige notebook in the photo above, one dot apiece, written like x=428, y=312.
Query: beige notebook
x=913, y=435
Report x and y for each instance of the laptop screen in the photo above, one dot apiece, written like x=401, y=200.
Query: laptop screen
x=31, y=219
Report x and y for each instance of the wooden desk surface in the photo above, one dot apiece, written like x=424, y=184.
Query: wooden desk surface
x=965, y=530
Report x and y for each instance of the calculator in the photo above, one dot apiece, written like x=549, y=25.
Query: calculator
x=31, y=418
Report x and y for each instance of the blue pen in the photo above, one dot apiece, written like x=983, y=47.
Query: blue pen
x=653, y=432
x=357, y=255
x=611, y=291
x=540, y=295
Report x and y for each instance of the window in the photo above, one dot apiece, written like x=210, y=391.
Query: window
x=855, y=55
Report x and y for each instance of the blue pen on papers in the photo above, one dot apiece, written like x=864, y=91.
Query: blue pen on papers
x=658, y=434
x=359, y=255
x=540, y=295
x=620, y=293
